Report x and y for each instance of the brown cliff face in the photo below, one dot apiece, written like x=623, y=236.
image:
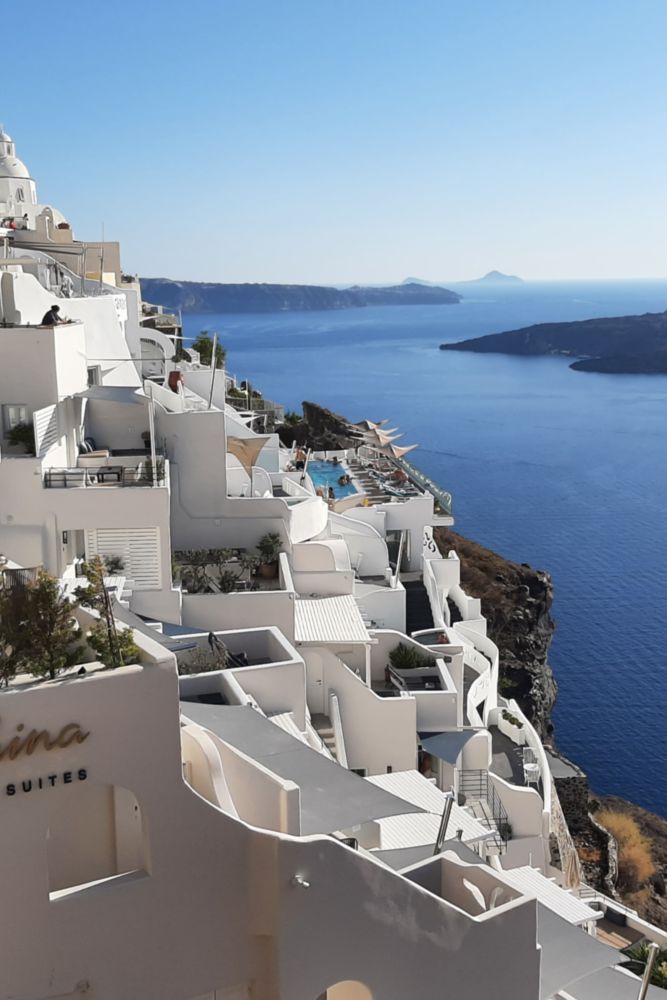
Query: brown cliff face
x=320, y=429
x=516, y=601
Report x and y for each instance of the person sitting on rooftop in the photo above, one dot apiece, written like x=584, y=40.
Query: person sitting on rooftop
x=52, y=317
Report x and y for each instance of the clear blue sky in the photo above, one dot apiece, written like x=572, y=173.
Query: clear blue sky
x=355, y=140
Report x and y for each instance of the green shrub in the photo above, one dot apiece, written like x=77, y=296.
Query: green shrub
x=270, y=547
x=203, y=344
x=404, y=657
x=512, y=719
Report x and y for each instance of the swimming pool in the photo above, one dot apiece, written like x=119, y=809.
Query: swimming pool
x=327, y=474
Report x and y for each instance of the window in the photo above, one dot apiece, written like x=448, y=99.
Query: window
x=94, y=376
x=20, y=196
x=13, y=414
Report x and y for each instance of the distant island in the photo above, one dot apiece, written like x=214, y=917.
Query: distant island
x=211, y=297
x=631, y=345
x=491, y=278
x=495, y=278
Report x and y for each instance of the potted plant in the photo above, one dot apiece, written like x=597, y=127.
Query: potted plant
x=404, y=659
x=269, y=548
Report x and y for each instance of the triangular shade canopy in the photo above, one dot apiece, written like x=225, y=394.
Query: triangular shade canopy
x=246, y=450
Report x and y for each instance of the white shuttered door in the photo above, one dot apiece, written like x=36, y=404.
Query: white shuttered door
x=139, y=548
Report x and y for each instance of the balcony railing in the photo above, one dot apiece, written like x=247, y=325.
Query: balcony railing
x=106, y=475
x=477, y=787
x=443, y=498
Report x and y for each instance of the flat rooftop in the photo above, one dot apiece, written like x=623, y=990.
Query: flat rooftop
x=332, y=798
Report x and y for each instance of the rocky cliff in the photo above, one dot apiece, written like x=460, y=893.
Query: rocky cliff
x=320, y=429
x=516, y=601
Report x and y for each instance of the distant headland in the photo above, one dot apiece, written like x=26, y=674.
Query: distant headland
x=211, y=297
x=490, y=278
x=631, y=345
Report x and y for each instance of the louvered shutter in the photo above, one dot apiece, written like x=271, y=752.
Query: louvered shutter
x=139, y=548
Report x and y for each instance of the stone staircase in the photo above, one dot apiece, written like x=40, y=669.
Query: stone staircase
x=418, y=614
x=324, y=729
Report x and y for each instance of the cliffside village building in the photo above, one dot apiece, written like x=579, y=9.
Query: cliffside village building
x=314, y=820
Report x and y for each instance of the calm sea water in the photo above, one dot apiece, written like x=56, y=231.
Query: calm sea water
x=564, y=470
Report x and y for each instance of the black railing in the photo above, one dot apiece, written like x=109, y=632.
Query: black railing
x=106, y=475
x=476, y=785
x=19, y=577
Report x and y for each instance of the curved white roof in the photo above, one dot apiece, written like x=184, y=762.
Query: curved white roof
x=10, y=165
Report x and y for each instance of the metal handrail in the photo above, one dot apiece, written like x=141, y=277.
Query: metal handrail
x=442, y=496
x=123, y=476
x=477, y=784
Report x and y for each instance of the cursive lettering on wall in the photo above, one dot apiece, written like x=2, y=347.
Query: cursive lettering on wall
x=26, y=742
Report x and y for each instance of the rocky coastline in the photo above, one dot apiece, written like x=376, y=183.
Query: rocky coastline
x=516, y=601
x=216, y=297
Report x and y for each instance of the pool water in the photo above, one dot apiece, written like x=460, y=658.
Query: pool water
x=327, y=474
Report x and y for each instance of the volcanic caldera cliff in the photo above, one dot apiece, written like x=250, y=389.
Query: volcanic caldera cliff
x=516, y=602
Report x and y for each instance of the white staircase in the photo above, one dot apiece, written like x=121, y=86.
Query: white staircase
x=324, y=729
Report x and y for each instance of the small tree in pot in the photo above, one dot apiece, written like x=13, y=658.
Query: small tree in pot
x=269, y=548
x=404, y=657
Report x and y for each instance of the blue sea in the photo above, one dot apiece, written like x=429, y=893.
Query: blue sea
x=564, y=470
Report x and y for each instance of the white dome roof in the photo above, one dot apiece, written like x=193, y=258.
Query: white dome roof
x=11, y=167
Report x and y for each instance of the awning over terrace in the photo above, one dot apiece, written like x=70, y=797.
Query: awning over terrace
x=532, y=882
x=115, y=393
x=332, y=798
x=410, y=831
x=323, y=620
x=447, y=746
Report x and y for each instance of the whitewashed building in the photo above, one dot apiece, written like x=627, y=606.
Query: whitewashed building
x=311, y=821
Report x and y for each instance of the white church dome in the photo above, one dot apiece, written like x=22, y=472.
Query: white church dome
x=10, y=165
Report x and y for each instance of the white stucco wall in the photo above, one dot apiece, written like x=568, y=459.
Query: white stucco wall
x=378, y=732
